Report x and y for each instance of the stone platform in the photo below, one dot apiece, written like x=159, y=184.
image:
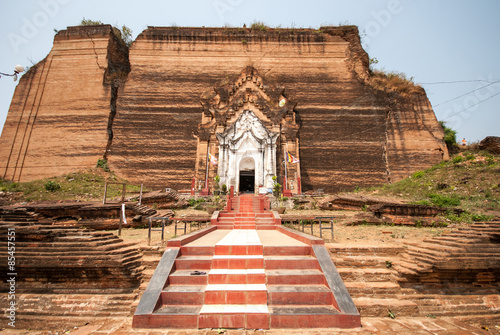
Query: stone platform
x=272, y=277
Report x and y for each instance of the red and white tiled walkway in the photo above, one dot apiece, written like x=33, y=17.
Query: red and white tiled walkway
x=236, y=293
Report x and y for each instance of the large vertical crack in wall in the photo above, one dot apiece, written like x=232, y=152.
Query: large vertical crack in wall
x=386, y=144
x=112, y=113
x=116, y=74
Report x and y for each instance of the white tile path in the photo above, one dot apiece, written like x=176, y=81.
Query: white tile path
x=226, y=309
x=237, y=237
x=241, y=237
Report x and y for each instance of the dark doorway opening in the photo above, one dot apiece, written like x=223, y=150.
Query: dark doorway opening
x=247, y=181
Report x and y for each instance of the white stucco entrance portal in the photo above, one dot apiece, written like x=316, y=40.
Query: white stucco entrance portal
x=247, y=151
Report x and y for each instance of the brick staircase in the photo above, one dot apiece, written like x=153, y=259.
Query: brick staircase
x=469, y=256
x=20, y=216
x=247, y=212
x=368, y=275
x=68, y=276
x=143, y=210
x=55, y=311
x=376, y=289
x=221, y=278
x=455, y=274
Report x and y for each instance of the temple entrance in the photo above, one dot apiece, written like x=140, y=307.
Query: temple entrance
x=247, y=181
x=247, y=127
x=247, y=154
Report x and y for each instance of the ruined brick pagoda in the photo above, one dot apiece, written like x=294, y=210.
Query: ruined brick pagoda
x=263, y=94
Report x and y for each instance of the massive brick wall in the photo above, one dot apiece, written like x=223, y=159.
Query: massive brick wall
x=343, y=121
x=351, y=134
x=57, y=122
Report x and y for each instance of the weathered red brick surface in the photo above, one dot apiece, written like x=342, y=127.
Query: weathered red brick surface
x=350, y=134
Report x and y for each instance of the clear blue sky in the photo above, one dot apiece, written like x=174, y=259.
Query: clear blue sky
x=452, y=41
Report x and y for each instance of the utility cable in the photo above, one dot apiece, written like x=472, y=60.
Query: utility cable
x=462, y=95
x=463, y=110
x=457, y=81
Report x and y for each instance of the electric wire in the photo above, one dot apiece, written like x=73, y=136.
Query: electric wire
x=463, y=110
x=462, y=95
x=457, y=81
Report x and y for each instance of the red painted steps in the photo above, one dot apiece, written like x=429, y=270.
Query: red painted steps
x=243, y=283
x=298, y=294
x=247, y=213
x=236, y=295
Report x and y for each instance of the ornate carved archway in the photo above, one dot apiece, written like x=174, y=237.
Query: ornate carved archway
x=247, y=118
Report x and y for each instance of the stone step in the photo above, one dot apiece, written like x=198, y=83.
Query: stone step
x=75, y=305
x=480, y=229
x=188, y=277
x=237, y=276
x=256, y=249
x=362, y=261
x=295, y=277
x=454, y=305
x=290, y=262
x=288, y=250
x=424, y=251
x=171, y=316
x=446, y=237
x=365, y=275
x=452, y=242
x=299, y=295
x=236, y=294
x=309, y=317
x=234, y=316
x=197, y=251
x=227, y=215
x=372, y=289
x=415, y=257
x=150, y=261
x=238, y=262
x=226, y=220
x=244, y=215
x=264, y=220
x=435, y=247
x=244, y=226
x=120, y=249
x=183, y=295
x=412, y=269
x=339, y=250
x=370, y=307
x=244, y=219
x=193, y=262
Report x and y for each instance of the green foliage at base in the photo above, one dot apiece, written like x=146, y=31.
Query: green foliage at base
x=196, y=203
x=444, y=200
x=103, y=164
x=469, y=180
x=52, y=186
x=81, y=186
x=450, y=137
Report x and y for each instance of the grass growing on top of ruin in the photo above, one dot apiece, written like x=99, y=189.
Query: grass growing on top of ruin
x=80, y=186
x=394, y=82
x=469, y=181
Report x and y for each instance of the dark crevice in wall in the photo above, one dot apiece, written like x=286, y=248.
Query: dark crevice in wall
x=114, y=97
x=116, y=75
x=385, y=156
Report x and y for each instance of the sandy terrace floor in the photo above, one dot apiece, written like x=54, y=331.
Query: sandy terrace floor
x=363, y=235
